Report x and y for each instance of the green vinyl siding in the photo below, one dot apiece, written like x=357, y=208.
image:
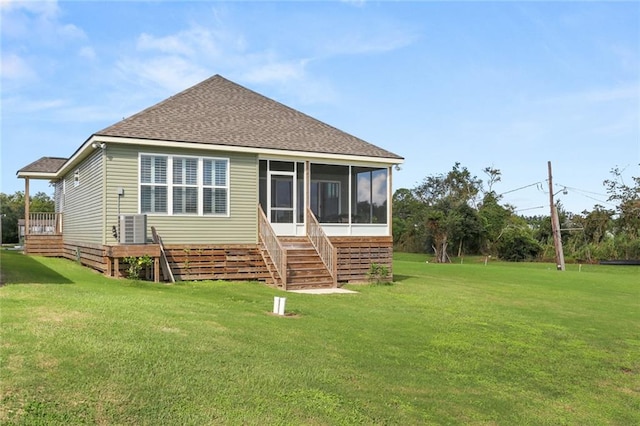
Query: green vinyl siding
x=240, y=227
x=83, y=203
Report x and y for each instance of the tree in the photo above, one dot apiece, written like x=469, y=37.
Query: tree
x=12, y=209
x=408, y=222
x=516, y=243
x=444, y=197
x=596, y=224
x=495, y=176
x=628, y=199
x=493, y=219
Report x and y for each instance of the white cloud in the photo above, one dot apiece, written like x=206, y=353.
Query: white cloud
x=16, y=68
x=279, y=72
x=194, y=42
x=623, y=92
x=171, y=73
x=173, y=44
x=27, y=106
x=359, y=44
x=87, y=52
x=37, y=22
x=43, y=7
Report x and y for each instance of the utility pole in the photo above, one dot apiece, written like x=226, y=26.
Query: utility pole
x=555, y=225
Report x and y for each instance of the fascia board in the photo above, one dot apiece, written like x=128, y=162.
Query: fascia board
x=36, y=175
x=248, y=150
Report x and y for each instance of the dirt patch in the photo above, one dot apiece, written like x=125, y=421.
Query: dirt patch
x=44, y=314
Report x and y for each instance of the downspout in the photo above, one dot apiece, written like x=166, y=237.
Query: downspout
x=103, y=148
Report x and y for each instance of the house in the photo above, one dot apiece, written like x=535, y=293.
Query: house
x=236, y=185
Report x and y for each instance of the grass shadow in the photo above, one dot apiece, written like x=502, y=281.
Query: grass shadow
x=400, y=277
x=17, y=268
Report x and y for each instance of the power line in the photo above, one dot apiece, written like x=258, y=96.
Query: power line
x=522, y=187
x=529, y=208
x=582, y=190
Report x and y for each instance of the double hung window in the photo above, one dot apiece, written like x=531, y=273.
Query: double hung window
x=181, y=185
x=185, y=185
x=153, y=184
x=215, y=187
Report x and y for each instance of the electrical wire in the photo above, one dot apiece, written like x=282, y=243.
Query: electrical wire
x=582, y=190
x=522, y=187
x=530, y=208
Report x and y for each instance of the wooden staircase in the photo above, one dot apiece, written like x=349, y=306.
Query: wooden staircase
x=305, y=269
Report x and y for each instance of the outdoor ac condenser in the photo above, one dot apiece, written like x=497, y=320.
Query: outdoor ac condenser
x=133, y=229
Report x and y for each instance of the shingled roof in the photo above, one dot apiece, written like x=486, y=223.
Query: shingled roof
x=44, y=165
x=221, y=112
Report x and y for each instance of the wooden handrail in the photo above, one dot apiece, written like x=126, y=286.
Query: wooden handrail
x=327, y=251
x=274, y=248
x=44, y=223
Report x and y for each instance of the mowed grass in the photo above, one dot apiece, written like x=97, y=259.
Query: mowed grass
x=445, y=344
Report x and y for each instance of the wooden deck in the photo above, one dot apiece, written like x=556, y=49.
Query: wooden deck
x=305, y=268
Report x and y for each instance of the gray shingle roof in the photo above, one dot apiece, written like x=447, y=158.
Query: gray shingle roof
x=44, y=165
x=218, y=111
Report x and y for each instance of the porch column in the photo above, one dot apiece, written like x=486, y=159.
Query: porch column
x=307, y=196
x=26, y=207
x=390, y=200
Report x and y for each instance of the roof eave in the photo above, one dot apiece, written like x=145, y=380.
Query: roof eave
x=37, y=175
x=244, y=149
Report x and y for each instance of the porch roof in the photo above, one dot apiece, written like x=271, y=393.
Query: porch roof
x=220, y=112
x=45, y=168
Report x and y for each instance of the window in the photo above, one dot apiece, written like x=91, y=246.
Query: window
x=215, y=192
x=369, y=194
x=194, y=185
x=153, y=184
x=325, y=200
x=329, y=191
x=185, y=185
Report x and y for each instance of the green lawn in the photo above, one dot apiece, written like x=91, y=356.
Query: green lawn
x=464, y=343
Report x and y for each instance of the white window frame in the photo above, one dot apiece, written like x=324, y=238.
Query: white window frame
x=152, y=184
x=184, y=185
x=214, y=186
x=200, y=185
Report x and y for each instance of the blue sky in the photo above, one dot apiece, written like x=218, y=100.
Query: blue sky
x=509, y=85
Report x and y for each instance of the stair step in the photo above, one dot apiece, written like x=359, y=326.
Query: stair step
x=305, y=268
x=296, y=286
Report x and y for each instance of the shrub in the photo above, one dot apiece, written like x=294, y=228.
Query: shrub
x=378, y=274
x=136, y=265
x=517, y=245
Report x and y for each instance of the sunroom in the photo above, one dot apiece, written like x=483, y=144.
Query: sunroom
x=347, y=200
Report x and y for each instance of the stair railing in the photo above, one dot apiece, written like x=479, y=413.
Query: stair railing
x=270, y=241
x=323, y=245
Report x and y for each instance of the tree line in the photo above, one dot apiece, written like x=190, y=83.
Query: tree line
x=12, y=209
x=457, y=214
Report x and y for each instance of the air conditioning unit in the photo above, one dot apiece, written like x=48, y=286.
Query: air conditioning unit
x=133, y=229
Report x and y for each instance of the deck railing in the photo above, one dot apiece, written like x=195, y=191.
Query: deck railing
x=274, y=248
x=44, y=224
x=327, y=251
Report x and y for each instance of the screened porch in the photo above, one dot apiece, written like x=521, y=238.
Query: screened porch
x=347, y=200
